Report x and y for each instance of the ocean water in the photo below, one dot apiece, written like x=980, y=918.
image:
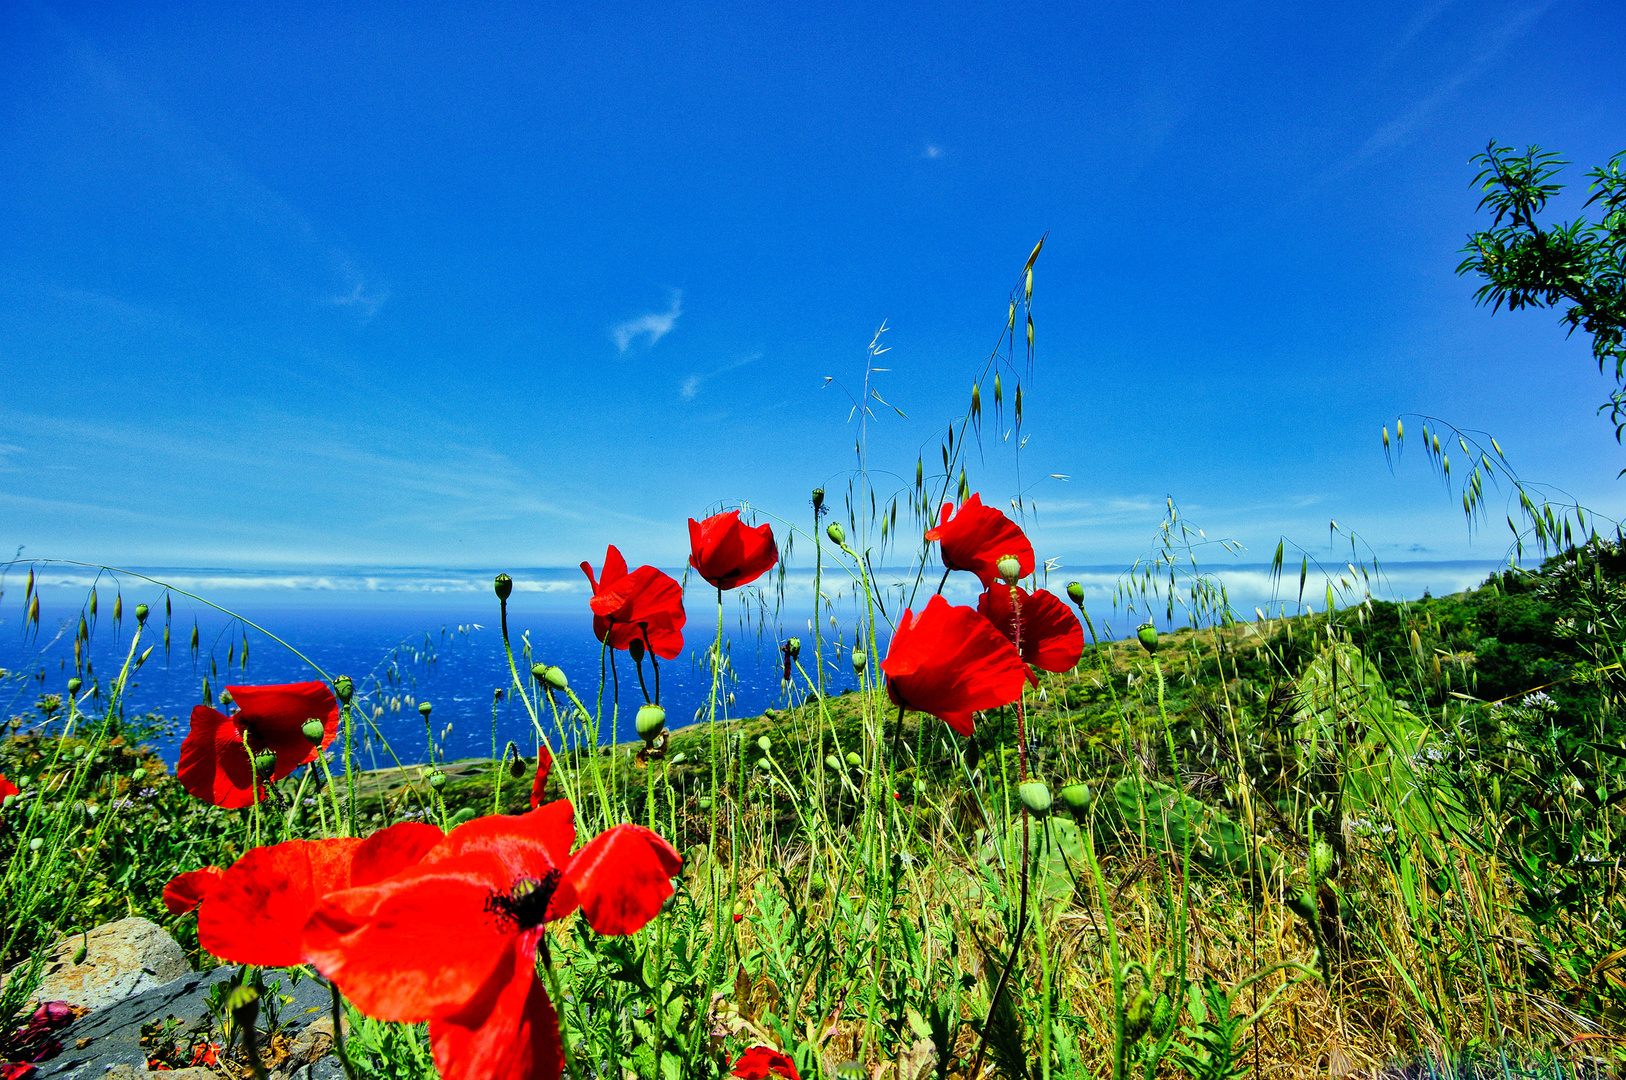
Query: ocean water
x=407, y=635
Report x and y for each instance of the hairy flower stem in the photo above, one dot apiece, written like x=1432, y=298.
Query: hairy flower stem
x=338, y=1032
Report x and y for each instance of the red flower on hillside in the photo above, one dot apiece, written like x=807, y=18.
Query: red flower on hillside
x=761, y=1062
x=977, y=537
x=453, y=939
x=728, y=553
x=216, y=768
x=1052, y=639
x=629, y=607
x=951, y=662
x=253, y=912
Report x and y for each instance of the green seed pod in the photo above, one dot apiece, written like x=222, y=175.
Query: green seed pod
x=463, y=815
x=141, y=614
x=555, y=677
x=705, y=802
x=1076, y=796
x=265, y=763
x=650, y=722
x=832, y=763
x=764, y=744
x=437, y=779
x=739, y=907
x=860, y=660
x=1010, y=568
x=1148, y=637
x=36, y=843
x=837, y=534
x=1138, y=1015
x=5, y=804
x=226, y=698
x=344, y=689
x=818, y=499
x=1035, y=795
x=74, y=684
x=764, y=764
x=424, y=708
x=793, y=648
x=313, y=730
x=1162, y=1017
x=504, y=586
x=853, y=760
x=1075, y=592
x=1319, y=862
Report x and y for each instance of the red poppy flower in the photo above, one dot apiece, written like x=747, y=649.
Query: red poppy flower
x=629, y=607
x=1052, y=639
x=729, y=554
x=760, y=1062
x=950, y=662
x=253, y=912
x=216, y=768
x=453, y=939
x=977, y=537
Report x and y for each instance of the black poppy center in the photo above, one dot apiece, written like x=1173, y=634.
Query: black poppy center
x=527, y=902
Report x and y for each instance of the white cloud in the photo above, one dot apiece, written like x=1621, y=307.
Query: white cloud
x=654, y=326
x=691, y=386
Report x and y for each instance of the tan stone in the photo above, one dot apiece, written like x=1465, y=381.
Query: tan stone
x=122, y=959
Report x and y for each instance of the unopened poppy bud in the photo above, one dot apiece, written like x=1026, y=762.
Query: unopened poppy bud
x=818, y=499
x=853, y=760
x=1138, y=1015
x=265, y=763
x=516, y=762
x=344, y=689
x=635, y=649
x=1076, y=796
x=79, y=954
x=1162, y=1018
x=1010, y=568
x=225, y=697
x=765, y=744
x=424, y=709
x=1075, y=592
x=313, y=730
x=650, y=722
x=1319, y=863
x=1035, y=795
x=832, y=763
x=837, y=534
x=859, y=661
x=141, y=614
x=762, y=763
x=1148, y=637
x=504, y=586
x=74, y=684
x=437, y=779
x=793, y=647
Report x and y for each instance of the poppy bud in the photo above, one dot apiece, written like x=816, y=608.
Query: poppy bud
x=832, y=763
x=739, y=910
x=762, y=763
x=225, y=697
x=516, y=763
x=424, y=709
x=837, y=534
x=554, y=677
x=1076, y=796
x=141, y=614
x=344, y=689
x=1162, y=1017
x=437, y=779
x=793, y=647
x=74, y=684
x=1010, y=568
x=5, y=804
x=635, y=649
x=1035, y=795
x=504, y=586
x=36, y=843
x=818, y=499
x=79, y=954
x=265, y=763
x=764, y=744
x=1319, y=863
x=859, y=660
x=853, y=760
x=1075, y=592
x=1138, y=1016
x=1148, y=637
x=650, y=722
x=313, y=730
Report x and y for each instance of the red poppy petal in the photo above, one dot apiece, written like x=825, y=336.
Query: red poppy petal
x=213, y=765
x=277, y=714
x=528, y=845
x=416, y=946
x=259, y=906
x=389, y=851
x=186, y=891
x=759, y=1062
x=514, y=1036
x=544, y=764
x=621, y=878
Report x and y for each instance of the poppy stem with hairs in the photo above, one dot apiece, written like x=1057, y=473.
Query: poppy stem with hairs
x=338, y=1031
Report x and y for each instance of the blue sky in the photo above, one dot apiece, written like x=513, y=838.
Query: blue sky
x=284, y=285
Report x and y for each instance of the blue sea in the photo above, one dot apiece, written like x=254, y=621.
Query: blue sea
x=408, y=635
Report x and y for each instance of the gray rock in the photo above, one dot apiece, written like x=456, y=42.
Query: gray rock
x=112, y=1036
x=122, y=959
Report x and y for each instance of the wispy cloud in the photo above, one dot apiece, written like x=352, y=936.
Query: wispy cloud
x=654, y=326
x=691, y=386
